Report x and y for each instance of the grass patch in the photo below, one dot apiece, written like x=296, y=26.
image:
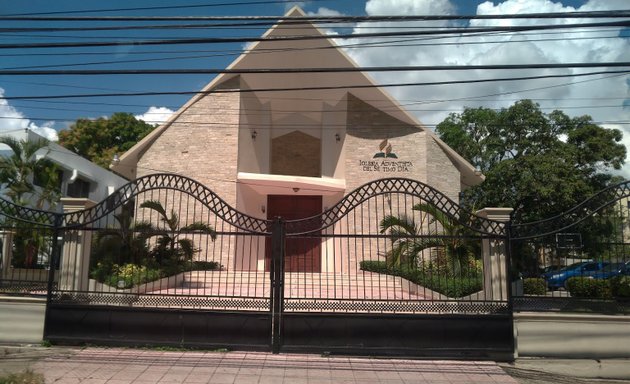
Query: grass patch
x=451, y=286
x=26, y=377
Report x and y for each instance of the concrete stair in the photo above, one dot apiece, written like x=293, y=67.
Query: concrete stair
x=298, y=285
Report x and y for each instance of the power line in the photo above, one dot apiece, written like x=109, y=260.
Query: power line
x=190, y=6
x=331, y=19
x=413, y=68
x=220, y=40
x=311, y=88
x=382, y=43
x=350, y=46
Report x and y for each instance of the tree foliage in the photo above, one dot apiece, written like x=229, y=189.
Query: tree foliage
x=99, y=140
x=22, y=168
x=539, y=164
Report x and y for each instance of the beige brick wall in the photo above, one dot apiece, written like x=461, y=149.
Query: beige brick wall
x=201, y=144
x=441, y=173
x=297, y=154
x=367, y=127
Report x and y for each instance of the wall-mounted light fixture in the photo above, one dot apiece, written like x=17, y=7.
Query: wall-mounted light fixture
x=337, y=137
x=296, y=190
x=263, y=209
x=254, y=134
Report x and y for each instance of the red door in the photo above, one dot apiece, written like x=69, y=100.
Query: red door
x=301, y=254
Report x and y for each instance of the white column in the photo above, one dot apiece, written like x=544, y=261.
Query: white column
x=495, y=266
x=75, y=259
x=7, y=250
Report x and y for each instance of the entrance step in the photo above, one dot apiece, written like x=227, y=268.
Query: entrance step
x=361, y=285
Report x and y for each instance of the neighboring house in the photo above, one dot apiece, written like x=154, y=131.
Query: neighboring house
x=79, y=176
x=295, y=152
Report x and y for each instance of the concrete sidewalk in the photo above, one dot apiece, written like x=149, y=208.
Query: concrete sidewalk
x=138, y=366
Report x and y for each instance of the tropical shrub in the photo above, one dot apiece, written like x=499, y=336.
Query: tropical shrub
x=122, y=257
x=128, y=275
x=447, y=241
x=169, y=248
x=620, y=286
x=585, y=287
x=534, y=286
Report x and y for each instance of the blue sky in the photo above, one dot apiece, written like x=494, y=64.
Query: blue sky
x=603, y=98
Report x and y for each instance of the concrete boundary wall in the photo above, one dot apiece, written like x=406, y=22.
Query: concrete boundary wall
x=21, y=320
x=574, y=336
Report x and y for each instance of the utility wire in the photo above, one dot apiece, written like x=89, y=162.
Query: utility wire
x=412, y=68
x=91, y=63
x=216, y=91
x=382, y=43
x=218, y=40
x=189, y=6
x=332, y=19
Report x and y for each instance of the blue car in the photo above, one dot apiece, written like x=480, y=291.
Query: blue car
x=610, y=270
x=558, y=279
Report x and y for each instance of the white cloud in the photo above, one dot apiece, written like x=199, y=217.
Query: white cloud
x=602, y=98
x=155, y=115
x=12, y=120
x=323, y=11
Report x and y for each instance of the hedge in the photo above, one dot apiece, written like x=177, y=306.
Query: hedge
x=534, y=286
x=586, y=287
x=449, y=286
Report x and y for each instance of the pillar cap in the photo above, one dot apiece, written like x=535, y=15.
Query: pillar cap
x=498, y=214
x=72, y=204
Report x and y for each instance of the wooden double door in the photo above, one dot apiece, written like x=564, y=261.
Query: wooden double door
x=302, y=254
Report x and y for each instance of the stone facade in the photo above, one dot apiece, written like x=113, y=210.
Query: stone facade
x=367, y=130
x=202, y=143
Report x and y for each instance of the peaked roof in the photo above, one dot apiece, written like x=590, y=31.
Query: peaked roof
x=305, y=53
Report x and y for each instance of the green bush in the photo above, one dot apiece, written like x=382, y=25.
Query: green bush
x=585, y=287
x=620, y=286
x=451, y=286
x=205, y=266
x=534, y=286
x=128, y=275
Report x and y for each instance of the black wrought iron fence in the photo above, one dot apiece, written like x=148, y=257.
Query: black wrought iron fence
x=578, y=260
x=27, y=248
x=389, y=254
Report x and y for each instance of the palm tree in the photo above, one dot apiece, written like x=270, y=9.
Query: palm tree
x=127, y=241
x=450, y=239
x=22, y=167
x=165, y=249
x=18, y=174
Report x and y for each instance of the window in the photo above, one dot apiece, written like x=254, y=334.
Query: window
x=80, y=188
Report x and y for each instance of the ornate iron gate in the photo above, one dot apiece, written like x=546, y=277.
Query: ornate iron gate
x=402, y=270
x=402, y=273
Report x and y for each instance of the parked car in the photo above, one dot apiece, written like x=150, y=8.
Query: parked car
x=610, y=270
x=557, y=279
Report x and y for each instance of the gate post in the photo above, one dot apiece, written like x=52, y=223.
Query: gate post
x=6, y=254
x=277, y=282
x=495, y=260
x=75, y=261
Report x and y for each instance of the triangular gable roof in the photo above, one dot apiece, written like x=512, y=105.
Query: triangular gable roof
x=301, y=54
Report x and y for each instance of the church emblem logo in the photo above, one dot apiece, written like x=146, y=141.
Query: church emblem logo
x=385, y=151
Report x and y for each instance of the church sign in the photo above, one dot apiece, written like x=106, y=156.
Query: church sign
x=385, y=161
